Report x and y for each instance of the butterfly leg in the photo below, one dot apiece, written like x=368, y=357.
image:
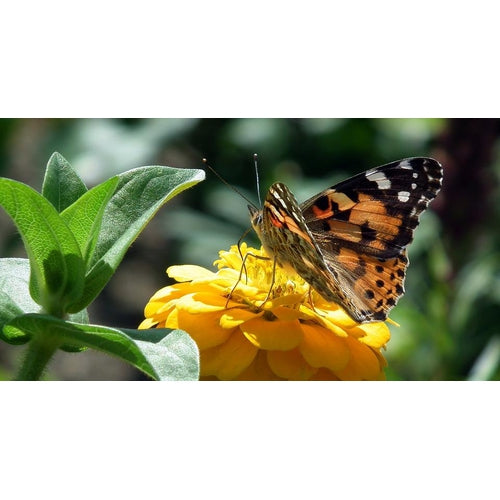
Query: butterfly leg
x=272, y=279
x=243, y=259
x=311, y=301
x=309, y=296
x=243, y=267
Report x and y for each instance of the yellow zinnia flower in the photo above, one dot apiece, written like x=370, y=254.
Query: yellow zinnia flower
x=293, y=335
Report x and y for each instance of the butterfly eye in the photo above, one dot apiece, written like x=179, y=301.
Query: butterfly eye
x=257, y=220
x=255, y=215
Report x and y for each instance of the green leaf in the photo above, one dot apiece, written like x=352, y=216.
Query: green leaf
x=61, y=185
x=173, y=355
x=84, y=216
x=15, y=298
x=57, y=269
x=139, y=195
x=161, y=353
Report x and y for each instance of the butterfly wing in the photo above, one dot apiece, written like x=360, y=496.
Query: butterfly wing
x=286, y=237
x=362, y=227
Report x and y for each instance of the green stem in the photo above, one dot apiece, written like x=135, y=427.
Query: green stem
x=37, y=356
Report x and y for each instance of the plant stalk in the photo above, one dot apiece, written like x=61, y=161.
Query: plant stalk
x=37, y=356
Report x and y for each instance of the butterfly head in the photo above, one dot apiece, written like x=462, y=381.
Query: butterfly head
x=255, y=219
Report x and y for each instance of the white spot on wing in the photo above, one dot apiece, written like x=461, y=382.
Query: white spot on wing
x=413, y=186
x=403, y=196
x=415, y=175
x=279, y=199
x=379, y=177
x=405, y=164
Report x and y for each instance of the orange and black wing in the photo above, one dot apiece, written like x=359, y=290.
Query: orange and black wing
x=363, y=225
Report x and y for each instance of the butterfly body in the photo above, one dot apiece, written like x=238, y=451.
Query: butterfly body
x=349, y=241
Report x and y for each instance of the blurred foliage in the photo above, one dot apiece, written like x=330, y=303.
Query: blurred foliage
x=448, y=328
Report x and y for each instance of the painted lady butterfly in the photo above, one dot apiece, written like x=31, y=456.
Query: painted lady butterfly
x=348, y=242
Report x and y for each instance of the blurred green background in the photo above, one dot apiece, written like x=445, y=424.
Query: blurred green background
x=448, y=316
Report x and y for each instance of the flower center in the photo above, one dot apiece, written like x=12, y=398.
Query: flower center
x=272, y=279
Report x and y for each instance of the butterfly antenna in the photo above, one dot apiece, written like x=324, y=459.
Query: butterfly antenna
x=257, y=178
x=229, y=185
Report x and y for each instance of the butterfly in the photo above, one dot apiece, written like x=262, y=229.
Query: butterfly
x=349, y=241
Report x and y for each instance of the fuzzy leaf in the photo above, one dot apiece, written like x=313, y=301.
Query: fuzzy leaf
x=160, y=353
x=139, y=195
x=57, y=268
x=61, y=185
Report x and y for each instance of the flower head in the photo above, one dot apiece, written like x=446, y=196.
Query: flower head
x=248, y=327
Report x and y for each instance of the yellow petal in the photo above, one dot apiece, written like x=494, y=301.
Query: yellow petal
x=147, y=323
x=188, y=272
x=228, y=360
x=202, y=302
x=226, y=278
x=363, y=364
x=333, y=327
x=172, y=319
x=259, y=369
x=157, y=310
x=287, y=300
x=290, y=365
x=375, y=334
x=228, y=259
x=392, y=322
x=247, y=291
x=272, y=335
x=286, y=313
x=230, y=274
x=334, y=312
x=318, y=316
x=321, y=348
x=169, y=292
x=340, y=318
x=204, y=328
x=236, y=316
